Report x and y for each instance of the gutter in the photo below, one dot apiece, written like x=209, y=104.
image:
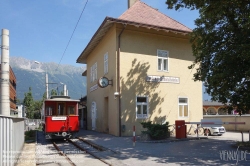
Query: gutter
x=118, y=77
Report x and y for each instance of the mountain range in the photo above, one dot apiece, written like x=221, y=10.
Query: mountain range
x=29, y=73
x=32, y=74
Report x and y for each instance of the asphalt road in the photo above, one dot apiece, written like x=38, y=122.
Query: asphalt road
x=216, y=150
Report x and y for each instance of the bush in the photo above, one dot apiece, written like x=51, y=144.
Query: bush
x=30, y=135
x=156, y=131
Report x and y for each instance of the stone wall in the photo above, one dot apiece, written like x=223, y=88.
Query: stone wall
x=233, y=118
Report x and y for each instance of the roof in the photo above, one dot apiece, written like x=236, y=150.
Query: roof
x=142, y=13
x=139, y=15
x=212, y=103
x=62, y=98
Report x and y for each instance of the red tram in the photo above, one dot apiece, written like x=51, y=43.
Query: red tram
x=60, y=117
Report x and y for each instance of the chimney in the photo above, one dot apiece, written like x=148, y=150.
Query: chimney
x=5, y=68
x=131, y=3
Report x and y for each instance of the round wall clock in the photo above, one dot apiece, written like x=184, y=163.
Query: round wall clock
x=103, y=82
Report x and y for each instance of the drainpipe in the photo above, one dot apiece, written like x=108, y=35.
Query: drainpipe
x=118, y=78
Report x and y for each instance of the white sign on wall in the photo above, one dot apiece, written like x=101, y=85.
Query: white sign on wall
x=93, y=87
x=175, y=80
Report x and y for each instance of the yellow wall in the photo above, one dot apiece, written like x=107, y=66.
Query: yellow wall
x=138, y=58
x=232, y=118
x=106, y=113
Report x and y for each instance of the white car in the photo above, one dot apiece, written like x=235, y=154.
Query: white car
x=214, y=130
x=32, y=124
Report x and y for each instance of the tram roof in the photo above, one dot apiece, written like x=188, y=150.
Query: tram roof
x=61, y=98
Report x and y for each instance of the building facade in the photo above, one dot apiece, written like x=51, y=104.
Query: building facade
x=12, y=87
x=137, y=71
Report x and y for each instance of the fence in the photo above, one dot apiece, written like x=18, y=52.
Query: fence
x=11, y=139
x=232, y=118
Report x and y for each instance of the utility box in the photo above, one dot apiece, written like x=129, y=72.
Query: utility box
x=180, y=129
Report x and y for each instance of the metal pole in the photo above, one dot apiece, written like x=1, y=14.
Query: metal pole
x=242, y=136
x=5, y=68
x=134, y=136
x=64, y=90
x=57, y=89
x=46, y=85
x=197, y=131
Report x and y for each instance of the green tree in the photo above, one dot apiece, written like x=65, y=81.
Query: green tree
x=220, y=43
x=53, y=92
x=37, y=109
x=33, y=108
x=44, y=96
x=28, y=103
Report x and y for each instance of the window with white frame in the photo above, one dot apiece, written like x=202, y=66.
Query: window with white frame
x=106, y=63
x=162, y=60
x=141, y=107
x=183, y=107
x=93, y=72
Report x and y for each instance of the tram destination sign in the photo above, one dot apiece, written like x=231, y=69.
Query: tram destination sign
x=163, y=79
x=59, y=118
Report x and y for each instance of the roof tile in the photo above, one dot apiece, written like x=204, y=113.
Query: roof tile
x=142, y=13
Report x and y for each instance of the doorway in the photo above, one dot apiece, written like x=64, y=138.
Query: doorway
x=93, y=115
x=106, y=115
x=83, y=117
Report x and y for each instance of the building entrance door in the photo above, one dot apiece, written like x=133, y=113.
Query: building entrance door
x=106, y=115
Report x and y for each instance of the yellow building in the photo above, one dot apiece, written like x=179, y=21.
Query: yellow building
x=137, y=70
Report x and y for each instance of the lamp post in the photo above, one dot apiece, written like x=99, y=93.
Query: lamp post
x=47, y=84
x=46, y=81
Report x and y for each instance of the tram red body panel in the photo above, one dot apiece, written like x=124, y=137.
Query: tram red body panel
x=60, y=117
x=54, y=125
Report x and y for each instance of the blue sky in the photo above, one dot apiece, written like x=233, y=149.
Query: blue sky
x=40, y=29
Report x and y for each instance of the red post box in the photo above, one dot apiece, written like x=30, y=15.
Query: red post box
x=180, y=129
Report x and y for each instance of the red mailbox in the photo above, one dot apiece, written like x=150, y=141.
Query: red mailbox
x=180, y=129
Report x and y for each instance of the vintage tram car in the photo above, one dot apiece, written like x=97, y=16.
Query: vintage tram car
x=60, y=117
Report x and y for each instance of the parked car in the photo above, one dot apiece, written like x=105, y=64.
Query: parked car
x=32, y=124
x=214, y=130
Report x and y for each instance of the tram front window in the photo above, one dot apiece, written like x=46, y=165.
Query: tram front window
x=49, y=111
x=71, y=110
x=61, y=109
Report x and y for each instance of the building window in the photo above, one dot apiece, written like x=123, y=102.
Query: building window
x=93, y=72
x=162, y=60
x=141, y=107
x=183, y=107
x=106, y=65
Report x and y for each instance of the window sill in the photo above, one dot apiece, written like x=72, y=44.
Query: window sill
x=165, y=71
x=141, y=117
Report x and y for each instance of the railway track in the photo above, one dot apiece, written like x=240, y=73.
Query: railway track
x=74, y=152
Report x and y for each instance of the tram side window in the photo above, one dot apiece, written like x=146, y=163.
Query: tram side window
x=71, y=110
x=49, y=111
x=61, y=109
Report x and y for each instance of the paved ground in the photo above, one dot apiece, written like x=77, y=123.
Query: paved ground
x=28, y=155
x=216, y=150
x=211, y=151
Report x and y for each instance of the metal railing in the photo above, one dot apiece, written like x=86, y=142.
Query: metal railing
x=11, y=139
